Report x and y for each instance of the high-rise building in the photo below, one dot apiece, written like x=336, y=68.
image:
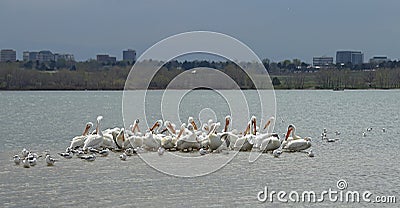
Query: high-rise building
x=322, y=61
x=8, y=55
x=353, y=57
x=129, y=55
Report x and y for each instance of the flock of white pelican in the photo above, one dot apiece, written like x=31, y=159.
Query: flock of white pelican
x=164, y=136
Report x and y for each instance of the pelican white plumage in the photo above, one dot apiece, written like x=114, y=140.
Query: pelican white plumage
x=266, y=141
x=95, y=140
x=217, y=142
x=169, y=141
x=189, y=141
x=244, y=143
x=295, y=143
x=78, y=141
x=151, y=140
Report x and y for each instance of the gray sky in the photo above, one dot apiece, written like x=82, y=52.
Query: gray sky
x=275, y=29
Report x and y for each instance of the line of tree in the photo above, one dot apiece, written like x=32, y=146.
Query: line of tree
x=92, y=75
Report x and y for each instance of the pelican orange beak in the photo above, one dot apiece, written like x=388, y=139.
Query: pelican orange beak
x=255, y=126
x=288, y=133
x=171, y=128
x=247, y=130
x=154, y=126
x=267, y=124
x=194, y=125
x=226, y=124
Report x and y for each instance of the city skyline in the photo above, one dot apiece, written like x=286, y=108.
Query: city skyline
x=275, y=30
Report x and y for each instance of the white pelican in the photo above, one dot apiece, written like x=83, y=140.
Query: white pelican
x=189, y=141
x=169, y=142
x=217, y=142
x=151, y=140
x=244, y=143
x=122, y=157
x=266, y=141
x=95, y=140
x=17, y=159
x=50, y=161
x=191, y=121
x=295, y=143
x=78, y=141
x=26, y=163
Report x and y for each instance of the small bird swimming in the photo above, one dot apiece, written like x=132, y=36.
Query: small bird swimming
x=17, y=159
x=310, y=153
x=26, y=163
x=104, y=152
x=277, y=152
x=161, y=151
x=122, y=157
x=130, y=152
x=66, y=155
x=32, y=162
x=202, y=151
x=383, y=130
x=49, y=160
x=89, y=158
x=24, y=153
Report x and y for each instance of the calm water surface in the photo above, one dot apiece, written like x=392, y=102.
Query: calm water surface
x=48, y=120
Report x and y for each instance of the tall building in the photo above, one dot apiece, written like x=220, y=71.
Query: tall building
x=322, y=61
x=353, y=57
x=129, y=55
x=30, y=56
x=8, y=55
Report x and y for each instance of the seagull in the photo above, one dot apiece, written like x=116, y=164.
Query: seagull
x=50, y=161
x=364, y=134
x=93, y=150
x=129, y=152
x=104, y=152
x=26, y=164
x=32, y=161
x=161, y=151
x=369, y=129
x=66, y=155
x=89, y=158
x=24, y=152
x=310, y=153
x=383, y=129
x=17, y=159
x=202, y=151
x=277, y=153
x=122, y=157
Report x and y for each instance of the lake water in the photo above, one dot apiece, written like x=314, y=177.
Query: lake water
x=48, y=120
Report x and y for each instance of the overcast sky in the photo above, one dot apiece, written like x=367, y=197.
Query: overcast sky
x=279, y=29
